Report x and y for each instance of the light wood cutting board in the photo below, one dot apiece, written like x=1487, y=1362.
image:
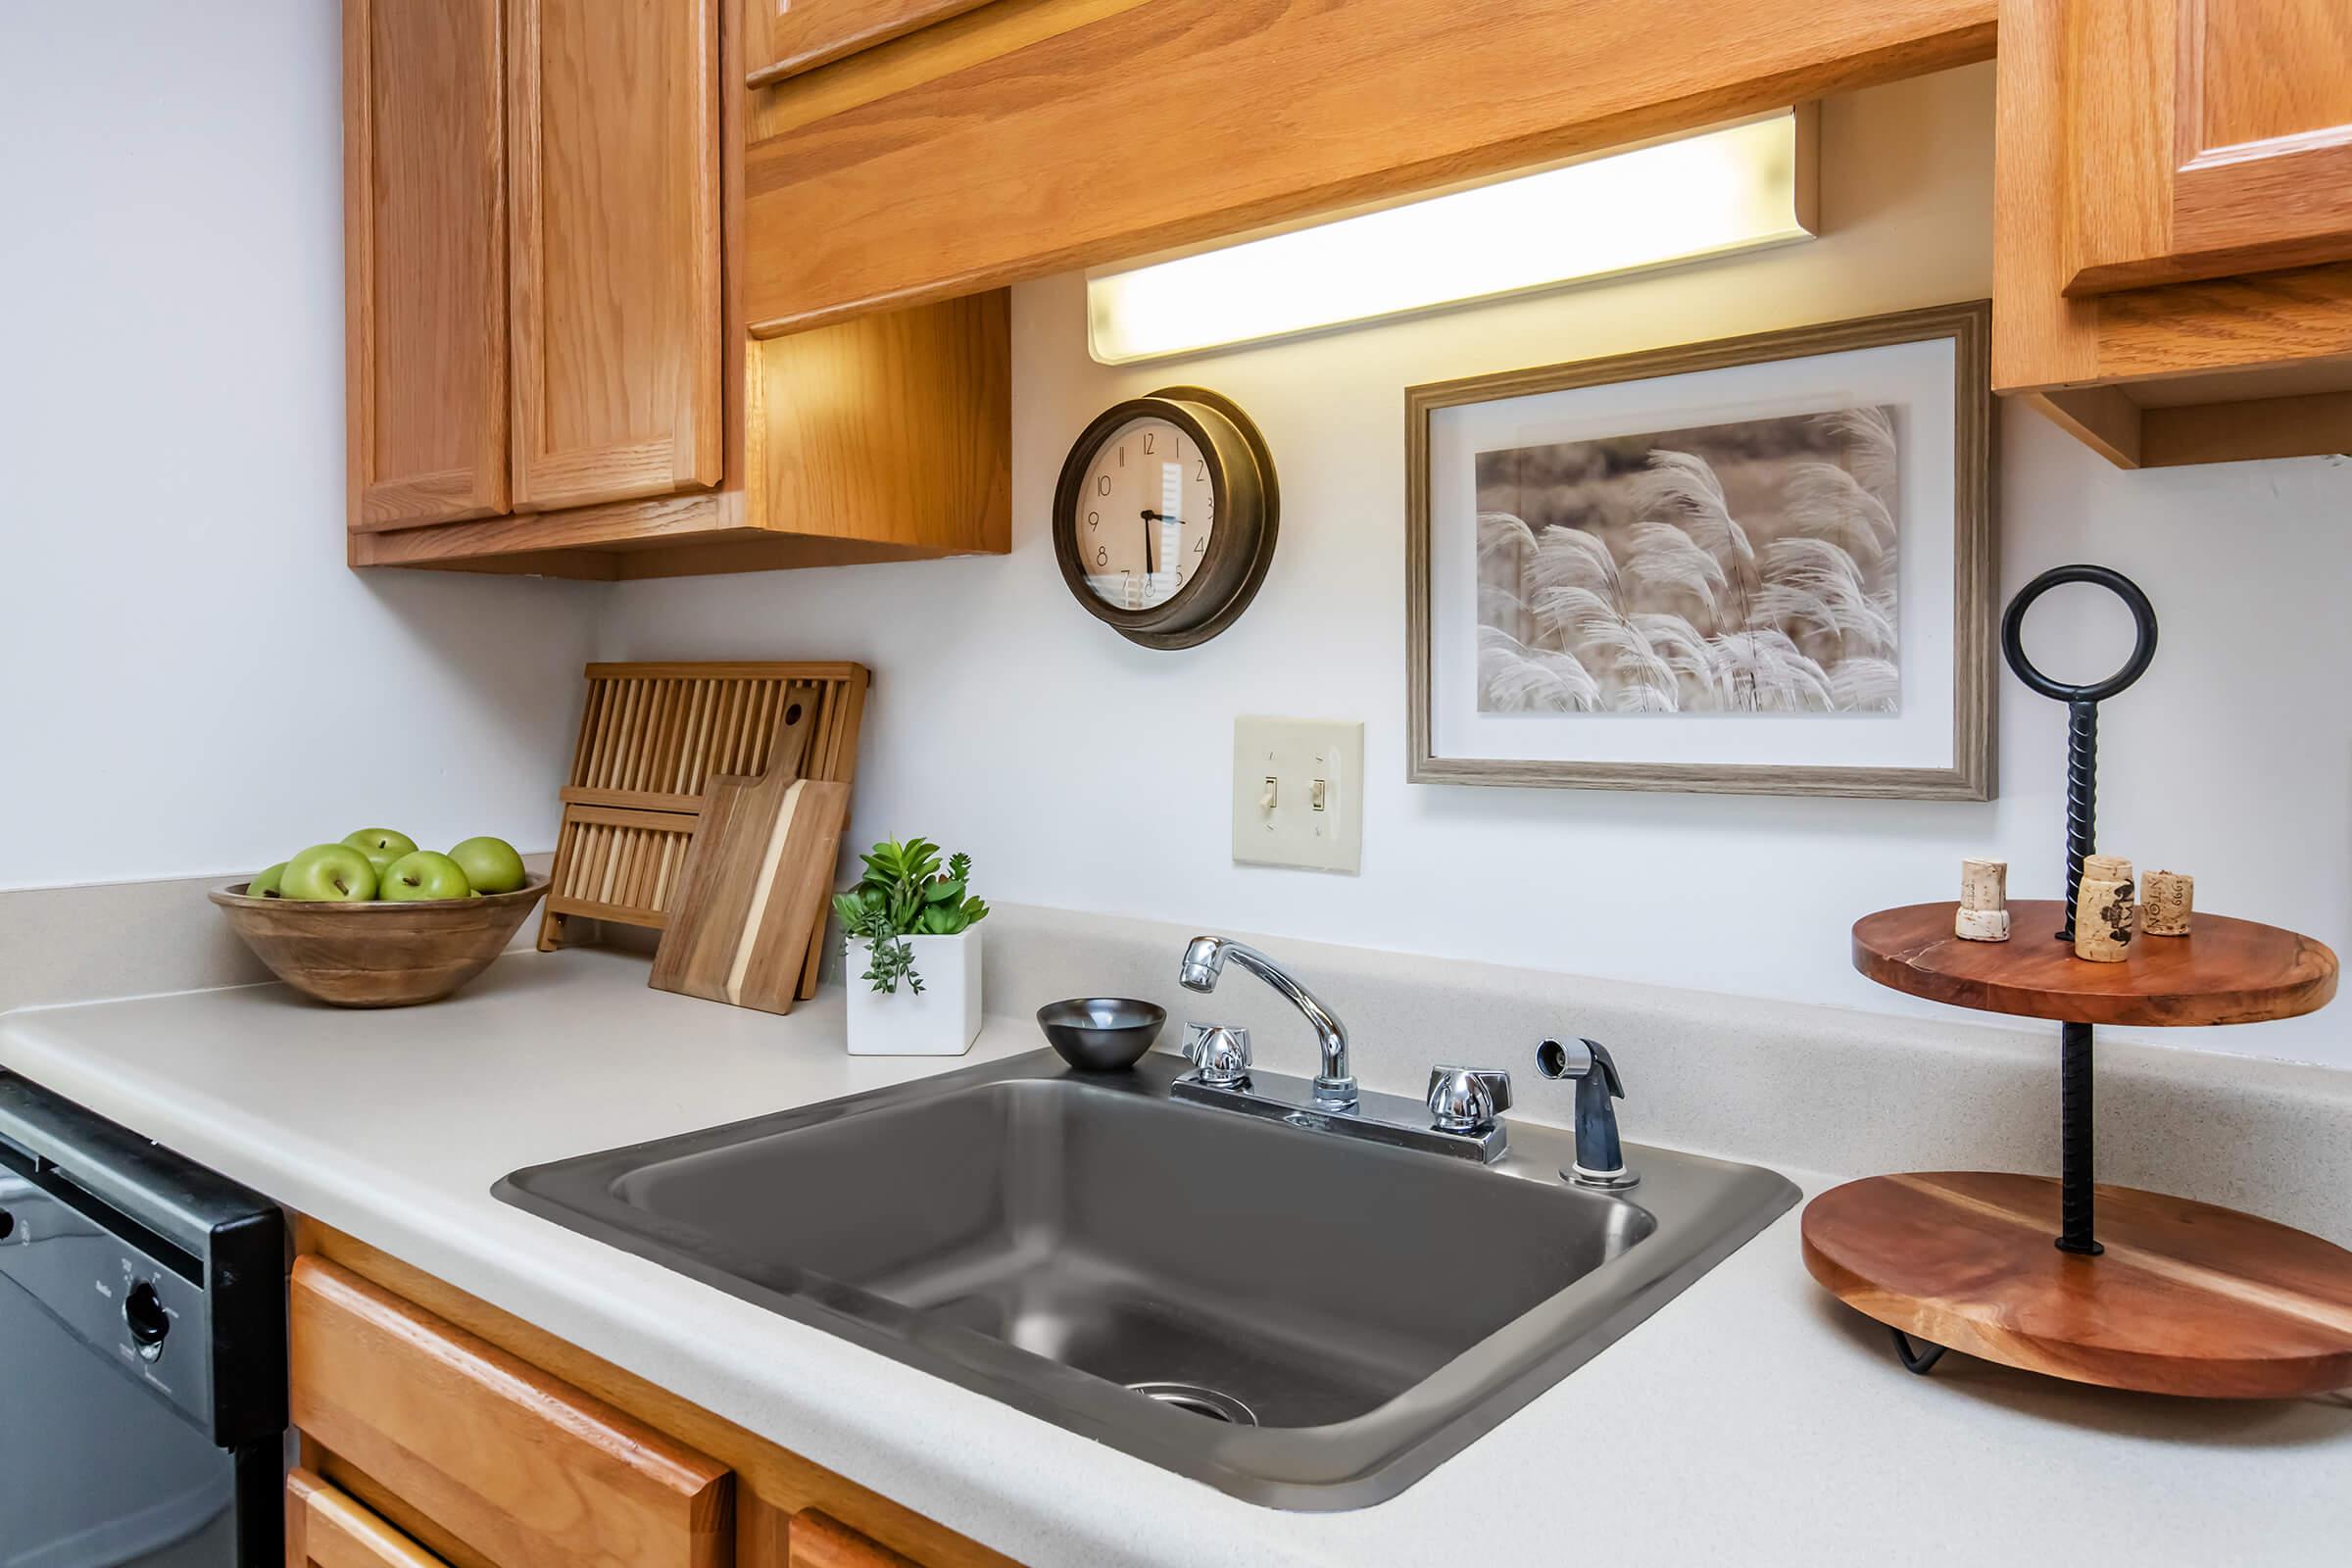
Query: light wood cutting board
x=756, y=883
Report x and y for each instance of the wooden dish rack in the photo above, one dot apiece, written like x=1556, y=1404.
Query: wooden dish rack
x=652, y=738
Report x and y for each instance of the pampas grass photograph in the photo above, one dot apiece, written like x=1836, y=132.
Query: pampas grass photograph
x=1728, y=569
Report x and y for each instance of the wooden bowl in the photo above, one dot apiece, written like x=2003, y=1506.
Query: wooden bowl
x=378, y=955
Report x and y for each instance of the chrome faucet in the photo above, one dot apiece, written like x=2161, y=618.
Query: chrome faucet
x=1205, y=960
x=1461, y=1114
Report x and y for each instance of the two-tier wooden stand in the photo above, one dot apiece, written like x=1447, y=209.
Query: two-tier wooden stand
x=2104, y=1285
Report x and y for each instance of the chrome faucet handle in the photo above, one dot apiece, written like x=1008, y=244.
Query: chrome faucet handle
x=1220, y=1054
x=1467, y=1099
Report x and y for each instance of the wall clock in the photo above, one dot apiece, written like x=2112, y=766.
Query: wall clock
x=1165, y=517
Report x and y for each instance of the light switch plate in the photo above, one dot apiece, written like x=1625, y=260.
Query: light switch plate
x=1298, y=792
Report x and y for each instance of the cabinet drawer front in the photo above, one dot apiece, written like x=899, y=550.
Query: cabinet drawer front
x=324, y=1528
x=785, y=37
x=523, y=1469
x=817, y=1541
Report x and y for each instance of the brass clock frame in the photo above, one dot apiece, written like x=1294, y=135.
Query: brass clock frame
x=1241, y=542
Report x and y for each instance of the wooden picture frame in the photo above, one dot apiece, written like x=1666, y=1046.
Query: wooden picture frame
x=1439, y=450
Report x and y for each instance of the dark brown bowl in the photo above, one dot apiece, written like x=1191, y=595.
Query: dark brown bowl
x=378, y=955
x=1102, y=1034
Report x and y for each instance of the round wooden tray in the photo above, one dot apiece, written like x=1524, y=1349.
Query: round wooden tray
x=2187, y=1298
x=2224, y=971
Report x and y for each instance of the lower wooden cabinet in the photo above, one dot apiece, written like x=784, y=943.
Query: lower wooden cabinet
x=324, y=1528
x=819, y=1541
x=438, y=1432
x=519, y=1467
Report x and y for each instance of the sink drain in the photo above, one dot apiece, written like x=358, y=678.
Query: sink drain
x=1194, y=1399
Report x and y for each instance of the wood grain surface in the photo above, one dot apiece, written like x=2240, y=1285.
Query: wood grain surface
x=652, y=738
x=756, y=876
x=425, y=255
x=2224, y=971
x=819, y=1540
x=782, y=38
x=2207, y=139
x=613, y=167
x=895, y=427
x=525, y=1470
x=1024, y=163
x=2187, y=1298
x=324, y=1528
x=2211, y=353
x=378, y=955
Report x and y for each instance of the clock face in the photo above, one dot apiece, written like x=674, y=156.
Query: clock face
x=1143, y=514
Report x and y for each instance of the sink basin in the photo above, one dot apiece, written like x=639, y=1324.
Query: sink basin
x=1301, y=1319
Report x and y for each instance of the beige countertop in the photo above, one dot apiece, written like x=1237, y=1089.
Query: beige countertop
x=1750, y=1421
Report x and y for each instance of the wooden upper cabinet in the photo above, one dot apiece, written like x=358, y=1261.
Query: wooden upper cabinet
x=426, y=261
x=2210, y=138
x=784, y=37
x=614, y=162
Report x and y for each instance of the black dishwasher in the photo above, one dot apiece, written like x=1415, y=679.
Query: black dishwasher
x=142, y=1350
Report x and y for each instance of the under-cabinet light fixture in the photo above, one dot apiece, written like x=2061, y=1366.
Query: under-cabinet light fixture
x=1736, y=187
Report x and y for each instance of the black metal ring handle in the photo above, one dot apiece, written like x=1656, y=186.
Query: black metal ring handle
x=2143, y=618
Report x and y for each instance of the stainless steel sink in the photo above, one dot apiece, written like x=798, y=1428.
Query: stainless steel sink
x=1301, y=1320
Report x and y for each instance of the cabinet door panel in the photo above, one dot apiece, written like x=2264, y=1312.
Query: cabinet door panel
x=614, y=164
x=324, y=1528
x=2212, y=138
x=425, y=259
x=784, y=37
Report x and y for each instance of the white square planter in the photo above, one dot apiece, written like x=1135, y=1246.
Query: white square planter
x=943, y=1021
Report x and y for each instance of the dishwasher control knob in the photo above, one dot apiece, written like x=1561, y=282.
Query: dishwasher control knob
x=143, y=1314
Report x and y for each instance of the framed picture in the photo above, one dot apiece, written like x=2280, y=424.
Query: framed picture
x=1762, y=566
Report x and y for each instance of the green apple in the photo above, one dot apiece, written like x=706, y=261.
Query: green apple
x=424, y=874
x=382, y=845
x=264, y=886
x=334, y=873
x=491, y=864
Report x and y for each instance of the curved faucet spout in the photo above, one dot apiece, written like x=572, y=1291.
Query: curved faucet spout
x=1204, y=960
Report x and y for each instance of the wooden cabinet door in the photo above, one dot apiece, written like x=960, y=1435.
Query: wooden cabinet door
x=612, y=138
x=819, y=1541
x=784, y=37
x=2209, y=137
x=324, y=1528
x=425, y=261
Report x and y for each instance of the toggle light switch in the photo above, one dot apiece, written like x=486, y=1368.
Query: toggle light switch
x=1298, y=792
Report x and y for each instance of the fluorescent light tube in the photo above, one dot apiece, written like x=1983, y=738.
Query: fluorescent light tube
x=1734, y=188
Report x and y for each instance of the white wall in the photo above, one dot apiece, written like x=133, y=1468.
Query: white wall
x=1088, y=773
x=192, y=680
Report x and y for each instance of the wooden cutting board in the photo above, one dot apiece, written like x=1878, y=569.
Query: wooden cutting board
x=755, y=882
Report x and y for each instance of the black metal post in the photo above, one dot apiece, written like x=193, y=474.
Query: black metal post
x=2075, y=1203
x=2082, y=800
x=2074, y=1141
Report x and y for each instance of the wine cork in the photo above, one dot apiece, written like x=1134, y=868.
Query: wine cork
x=1984, y=913
x=2104, y=913
x=2166, y=903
